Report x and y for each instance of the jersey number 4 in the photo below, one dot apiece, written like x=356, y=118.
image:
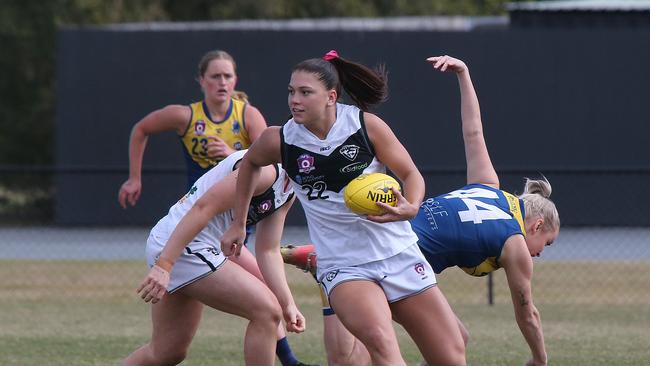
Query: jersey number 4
x=478, y=211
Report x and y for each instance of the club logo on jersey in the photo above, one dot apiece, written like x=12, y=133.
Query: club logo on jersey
x=331, y=275
x=265, y=206
x=421, y=270
x=305, y=163
x=199, y=127
x=236, y=127
x=237, y=145
x=349, y=151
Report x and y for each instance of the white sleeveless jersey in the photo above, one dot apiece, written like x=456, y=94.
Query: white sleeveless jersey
x=261, y=206
x=319, y=171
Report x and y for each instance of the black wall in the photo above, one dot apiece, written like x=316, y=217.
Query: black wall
x=571, y=105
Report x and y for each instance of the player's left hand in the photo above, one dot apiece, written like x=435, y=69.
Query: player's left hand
x=294, y=319
x=217, y=148
x=403, y=210
x=154, y=286
x=447, y=63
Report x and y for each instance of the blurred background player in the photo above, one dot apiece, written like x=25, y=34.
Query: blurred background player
x=370, y=267
x=478, y=228
x=209, y=130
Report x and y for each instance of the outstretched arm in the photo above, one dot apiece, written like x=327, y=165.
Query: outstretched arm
x=479, y=166
x=265, y=151
x=218, y=199
x=170, y=118
x=518, y=265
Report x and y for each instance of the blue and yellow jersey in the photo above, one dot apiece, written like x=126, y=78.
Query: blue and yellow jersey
x=468, y=228
x=195, y=140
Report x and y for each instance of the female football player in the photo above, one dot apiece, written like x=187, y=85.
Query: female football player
x=370, y=267
x=477, y=227
x=188, y=269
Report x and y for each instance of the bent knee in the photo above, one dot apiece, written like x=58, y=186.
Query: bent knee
x=267, y=312
x=377, y=339
x=170, y=356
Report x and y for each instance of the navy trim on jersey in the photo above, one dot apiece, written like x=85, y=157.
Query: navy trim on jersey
x=226, y=116
x=189, y=123
x=284, y=151
x=202, y=258
x=243, y=118
x=365, y=136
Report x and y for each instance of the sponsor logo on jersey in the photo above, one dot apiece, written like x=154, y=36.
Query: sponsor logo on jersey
x=213, y=250
x=354, y=167
x=265, y=206
x=305, y=163
x=331, y=275
x=199, y=127
x=236, y=127
x=349, y=151
x=325, y=148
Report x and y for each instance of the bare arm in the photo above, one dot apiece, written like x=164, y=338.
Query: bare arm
x=170, y=118
x=255, y=122
x=267, y=251
x=479, y=166
x=391, y=152
x=218, y=199
x=518, y=265
x=265, y=151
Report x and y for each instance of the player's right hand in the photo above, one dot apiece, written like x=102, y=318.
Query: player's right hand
x=233, y=240
x=129, y=192
x=294, y=319
x=154, y=286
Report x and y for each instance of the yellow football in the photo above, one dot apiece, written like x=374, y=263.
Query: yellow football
x=362, y=193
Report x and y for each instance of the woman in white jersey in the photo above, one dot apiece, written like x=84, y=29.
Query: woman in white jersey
x=508, y=233
x=370, y=267
x=188, y=269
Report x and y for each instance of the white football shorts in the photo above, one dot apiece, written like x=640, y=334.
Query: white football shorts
x=400, y=276
x=197, y=260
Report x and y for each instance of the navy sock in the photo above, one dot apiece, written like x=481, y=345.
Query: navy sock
x=284, y=353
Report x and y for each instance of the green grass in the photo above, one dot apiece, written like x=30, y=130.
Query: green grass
x=87, y=313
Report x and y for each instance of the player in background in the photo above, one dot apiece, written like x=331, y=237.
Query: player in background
x=478, y=228
x=370, y=267
x=209, y=130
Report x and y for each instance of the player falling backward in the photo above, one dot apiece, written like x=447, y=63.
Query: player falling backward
x=498, y=230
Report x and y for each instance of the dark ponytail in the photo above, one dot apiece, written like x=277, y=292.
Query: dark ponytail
x=366, y=87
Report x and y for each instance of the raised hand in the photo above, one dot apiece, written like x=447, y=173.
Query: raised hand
x=447, y=63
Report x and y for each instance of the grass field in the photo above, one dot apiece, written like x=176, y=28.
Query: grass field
x=87, y=313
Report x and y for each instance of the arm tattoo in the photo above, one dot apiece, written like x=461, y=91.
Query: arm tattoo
x=522, y=299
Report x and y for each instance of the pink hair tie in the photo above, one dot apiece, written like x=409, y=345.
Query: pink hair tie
x=331, y=55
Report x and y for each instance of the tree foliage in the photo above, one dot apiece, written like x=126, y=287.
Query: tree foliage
x=28, y=41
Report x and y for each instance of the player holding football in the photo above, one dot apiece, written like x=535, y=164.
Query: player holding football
x=371, y=267
x=477, y=227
